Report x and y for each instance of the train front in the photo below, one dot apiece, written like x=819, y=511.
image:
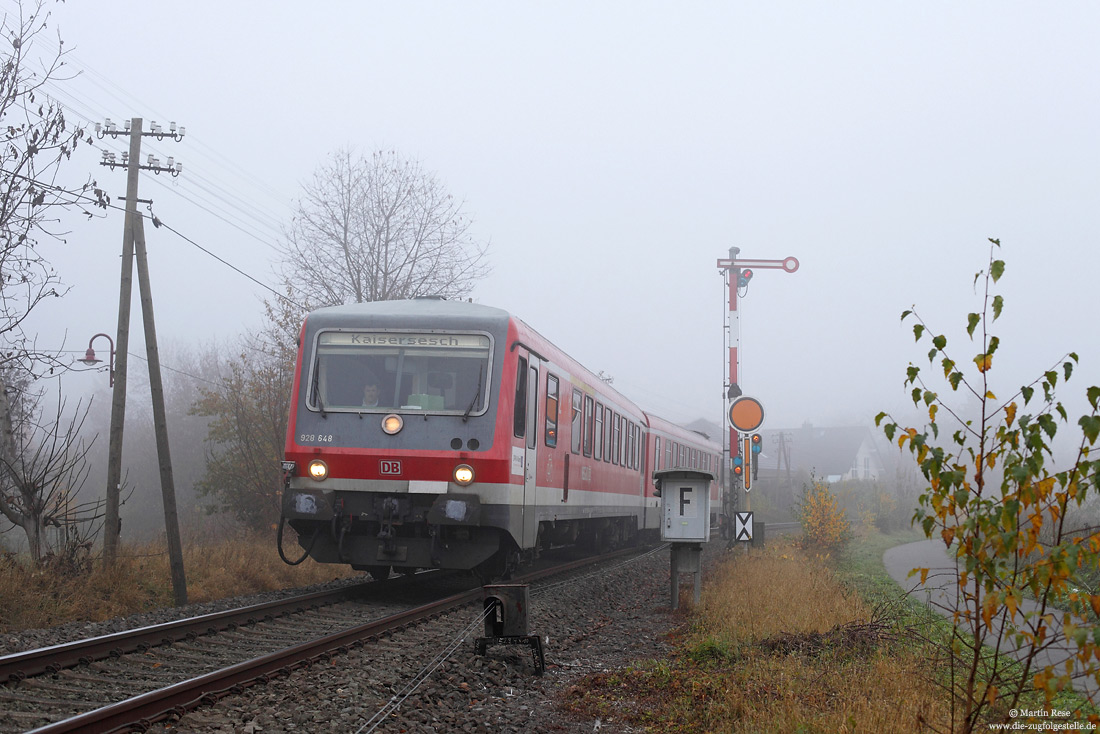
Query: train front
x=392, y=455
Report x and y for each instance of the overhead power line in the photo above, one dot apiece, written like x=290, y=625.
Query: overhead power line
x=185, y=238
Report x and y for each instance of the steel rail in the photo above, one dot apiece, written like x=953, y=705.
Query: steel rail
x=149, y=707
x=20, y=665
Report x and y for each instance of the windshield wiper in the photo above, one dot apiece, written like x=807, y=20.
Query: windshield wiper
x=477, y=395
x=317, y=393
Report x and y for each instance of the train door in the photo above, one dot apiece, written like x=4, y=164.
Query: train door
x=529, y=416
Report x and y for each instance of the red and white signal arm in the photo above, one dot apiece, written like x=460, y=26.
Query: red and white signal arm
x=746, y=414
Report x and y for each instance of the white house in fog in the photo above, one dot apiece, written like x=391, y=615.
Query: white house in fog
x=832, y=454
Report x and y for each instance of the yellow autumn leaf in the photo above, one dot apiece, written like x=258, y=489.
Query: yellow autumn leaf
x=1010, y=413
x=989, y=395
x=988, y=610
x=1010, y=602
x=991, y=695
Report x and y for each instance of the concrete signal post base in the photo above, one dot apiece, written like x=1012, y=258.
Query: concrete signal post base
x=686, y=558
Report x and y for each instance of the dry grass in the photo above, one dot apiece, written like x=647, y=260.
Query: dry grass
x=780, y=589
x=778, y=644
x=215, y=569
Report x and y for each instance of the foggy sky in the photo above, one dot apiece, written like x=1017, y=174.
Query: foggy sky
x=611, y=155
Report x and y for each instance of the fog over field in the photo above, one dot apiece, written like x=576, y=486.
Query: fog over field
x=610, y=154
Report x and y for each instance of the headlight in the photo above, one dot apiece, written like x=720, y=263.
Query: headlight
x=392, y=423
x=464, y=474
x=318, y=470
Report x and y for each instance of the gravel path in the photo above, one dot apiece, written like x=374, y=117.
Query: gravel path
x=594, y=623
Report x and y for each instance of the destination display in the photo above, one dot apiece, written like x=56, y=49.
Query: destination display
x=394, y=339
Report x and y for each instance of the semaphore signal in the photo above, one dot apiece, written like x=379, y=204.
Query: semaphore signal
x=739, y=273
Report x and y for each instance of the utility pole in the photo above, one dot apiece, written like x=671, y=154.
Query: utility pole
x=739, y=274
x=134, y=244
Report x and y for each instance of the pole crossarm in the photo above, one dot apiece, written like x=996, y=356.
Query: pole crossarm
x=790, y=264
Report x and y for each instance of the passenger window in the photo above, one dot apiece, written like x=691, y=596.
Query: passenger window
x=599, y=433
x=519, y=413
x=588, y=403
x=608, y=435
x=618, y=439
x=628, y=459
x=630, y=442
x=657, y=453
x=551, y=410
x=575, y=424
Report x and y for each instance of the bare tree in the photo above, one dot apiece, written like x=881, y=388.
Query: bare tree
x=43, y=467
x=379, y=228
x=41, y=461
x=35, y=140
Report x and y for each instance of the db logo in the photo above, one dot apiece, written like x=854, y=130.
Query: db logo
x=389, y=467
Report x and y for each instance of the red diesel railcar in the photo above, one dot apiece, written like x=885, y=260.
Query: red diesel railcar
x=443, y=434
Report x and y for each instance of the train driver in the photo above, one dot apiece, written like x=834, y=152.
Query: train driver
x=370, y=391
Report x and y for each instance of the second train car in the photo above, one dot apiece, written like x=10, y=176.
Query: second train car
x=444, y=434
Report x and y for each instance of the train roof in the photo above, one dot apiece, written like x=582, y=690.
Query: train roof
x=430, y=312
x=416, y=312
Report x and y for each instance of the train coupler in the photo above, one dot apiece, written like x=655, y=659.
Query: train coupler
x=390, y=513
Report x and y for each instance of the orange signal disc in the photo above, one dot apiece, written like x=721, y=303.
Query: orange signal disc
x=746, y=414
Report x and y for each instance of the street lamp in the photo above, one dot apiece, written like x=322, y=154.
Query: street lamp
x=90, y=358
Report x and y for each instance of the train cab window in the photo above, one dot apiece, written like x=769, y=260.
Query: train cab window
x=576, y=425
x=551, y=410
x=588, y=438
x=519, y=412
x=382, y=371
x=598, y=449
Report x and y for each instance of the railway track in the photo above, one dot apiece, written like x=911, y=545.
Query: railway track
x=129, y=680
